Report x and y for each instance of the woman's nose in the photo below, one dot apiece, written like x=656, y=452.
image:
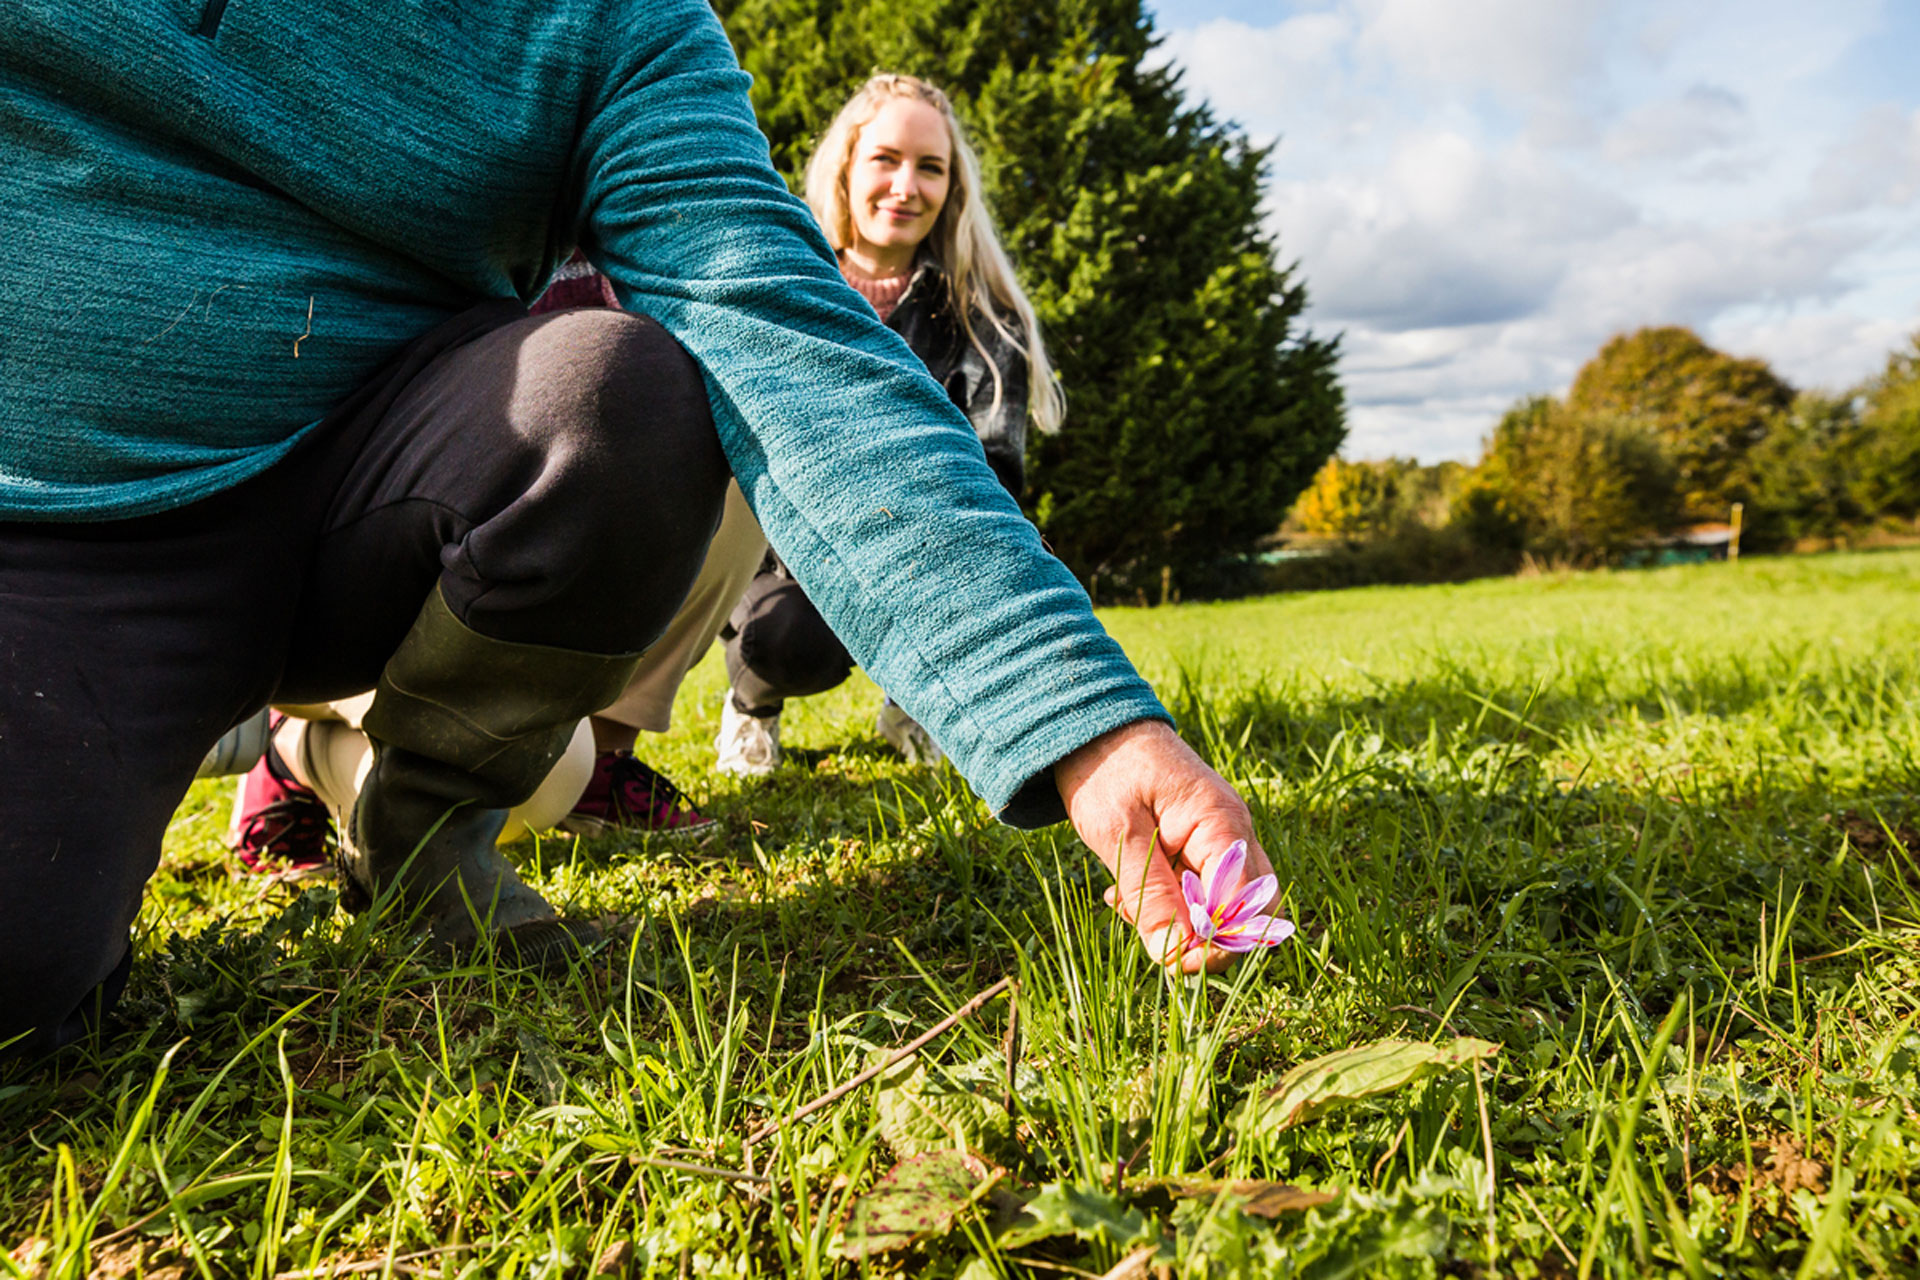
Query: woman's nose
x=904, y=182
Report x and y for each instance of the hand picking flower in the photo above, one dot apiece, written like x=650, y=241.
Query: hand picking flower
x=1232, y=922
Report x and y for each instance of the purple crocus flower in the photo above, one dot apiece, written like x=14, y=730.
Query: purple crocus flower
x=1232, y=922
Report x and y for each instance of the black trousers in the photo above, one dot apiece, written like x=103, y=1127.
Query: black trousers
x=558, y=476
x=779, y=647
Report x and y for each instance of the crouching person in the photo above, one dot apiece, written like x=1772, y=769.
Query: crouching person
x=276, y=427
x=442, y=539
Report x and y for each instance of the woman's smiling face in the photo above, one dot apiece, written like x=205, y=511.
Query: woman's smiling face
x=898, y=179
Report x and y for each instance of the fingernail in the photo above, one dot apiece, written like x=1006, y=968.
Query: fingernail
x=1166, y=944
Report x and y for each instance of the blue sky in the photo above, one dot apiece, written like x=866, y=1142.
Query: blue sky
x=1480, y=192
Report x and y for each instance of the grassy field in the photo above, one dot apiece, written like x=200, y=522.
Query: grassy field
x=1652, y=834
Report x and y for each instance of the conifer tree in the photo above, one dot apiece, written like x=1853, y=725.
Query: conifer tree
x=1198, y=408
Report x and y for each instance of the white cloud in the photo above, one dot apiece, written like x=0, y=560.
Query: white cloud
x=1666, y=274
x=1830, y=350
x=1522, y=47
x=1446, y=234
x=1878, y=165
x=1256, y=76
x=1704, y=118
x=1480, y=192
x=1435, y=393
x=1770, y=46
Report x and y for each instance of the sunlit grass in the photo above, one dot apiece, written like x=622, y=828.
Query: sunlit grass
x=1652, y=833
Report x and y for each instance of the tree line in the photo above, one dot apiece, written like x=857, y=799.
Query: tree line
x=1198, y=404
x=1658, y=432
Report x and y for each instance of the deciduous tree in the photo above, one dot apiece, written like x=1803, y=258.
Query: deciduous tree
x=1707, y=409
x=1806, y=476
x=1890, y=418
x=1579, y=487
x=1360, y=500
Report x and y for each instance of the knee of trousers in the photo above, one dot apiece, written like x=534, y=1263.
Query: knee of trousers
x=622, y=412
x=786, y=643
x=623, y=492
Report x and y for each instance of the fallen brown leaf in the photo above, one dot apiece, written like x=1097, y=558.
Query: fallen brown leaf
x=1134, y=1266
x=1790, y=1168
x=616, y=1261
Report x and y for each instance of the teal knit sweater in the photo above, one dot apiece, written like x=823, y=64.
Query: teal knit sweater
x=222, y=215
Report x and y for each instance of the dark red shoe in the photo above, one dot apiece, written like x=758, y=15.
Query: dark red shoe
x=279, y=827
x=626, y=795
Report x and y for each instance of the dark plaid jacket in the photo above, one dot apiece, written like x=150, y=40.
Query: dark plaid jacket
x=925, y=317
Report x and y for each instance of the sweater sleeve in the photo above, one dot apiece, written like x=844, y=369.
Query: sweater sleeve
x=869, y=483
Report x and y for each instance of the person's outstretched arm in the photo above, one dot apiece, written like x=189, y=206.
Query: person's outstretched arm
x=870, y=484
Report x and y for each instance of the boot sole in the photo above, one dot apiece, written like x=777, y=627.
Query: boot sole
x=537, y=944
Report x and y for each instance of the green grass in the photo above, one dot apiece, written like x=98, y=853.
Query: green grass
x=1653, y=833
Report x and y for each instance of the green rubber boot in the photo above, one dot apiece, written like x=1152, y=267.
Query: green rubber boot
x=463, y=728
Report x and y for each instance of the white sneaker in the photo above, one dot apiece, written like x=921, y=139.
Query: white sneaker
x=748, y=746
x=906, y=735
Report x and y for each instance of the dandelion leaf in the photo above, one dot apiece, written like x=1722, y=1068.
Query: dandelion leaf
x=1403, y=1233
x=1318, y=1086
x=916, y=1200
x=1061, y=1210
x=1271, y=1199
x=924, y=1108
x=1254, y=1197
x=539, y=1062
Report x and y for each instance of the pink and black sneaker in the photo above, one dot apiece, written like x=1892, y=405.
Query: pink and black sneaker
x=626, y=795
x=279, y=826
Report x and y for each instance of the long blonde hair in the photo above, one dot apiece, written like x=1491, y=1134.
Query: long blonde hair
x=962, y=241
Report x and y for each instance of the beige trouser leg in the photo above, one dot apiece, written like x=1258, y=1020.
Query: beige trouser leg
x=325, y=748
x=332, y=756
x=733, y=557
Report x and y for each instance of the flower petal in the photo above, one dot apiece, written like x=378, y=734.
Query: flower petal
x=1223, y=875
x=1259, y=931
x=1197, y=913
x=1251, y=900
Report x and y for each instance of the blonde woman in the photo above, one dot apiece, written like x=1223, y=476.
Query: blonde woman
x=897, y=190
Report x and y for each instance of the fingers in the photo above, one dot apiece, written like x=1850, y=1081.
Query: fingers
x=1201, y=830
x=1212, y=959
x=1171, y=942
x=1146, y=893
x=1150, y=807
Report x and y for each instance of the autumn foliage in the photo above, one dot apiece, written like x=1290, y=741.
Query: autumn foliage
x=1705, y=409
x=1659, y=431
